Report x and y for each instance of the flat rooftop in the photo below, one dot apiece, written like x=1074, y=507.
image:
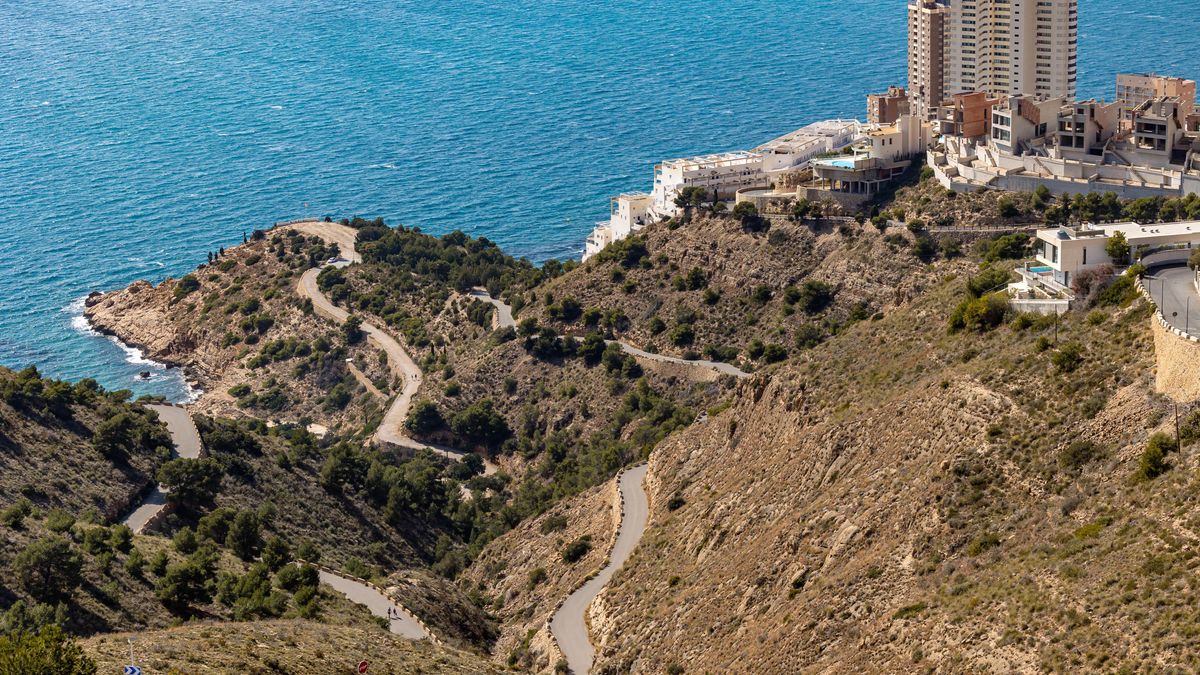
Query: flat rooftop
x=719, y=159
x=1132, y=231
x=805, y=137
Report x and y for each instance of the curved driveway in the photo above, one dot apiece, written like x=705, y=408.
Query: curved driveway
x=187, y=444
x=1173, y=290
x=569, y=623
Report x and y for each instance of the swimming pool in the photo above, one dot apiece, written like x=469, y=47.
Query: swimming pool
x=839, y=163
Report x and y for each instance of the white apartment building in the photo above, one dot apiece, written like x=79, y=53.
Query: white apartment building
x=721, y=175
x=1064, y=252
x=926, y=62
x=1000, y=47
x=628, y=213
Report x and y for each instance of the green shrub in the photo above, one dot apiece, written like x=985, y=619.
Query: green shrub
x=14, y=516
x=1079, y=453
x=536, y=577
x=808, y=336
x=48, y=651
x=910, y=611
x=980, y=314
x=1153, y=462
x=1068, y=357
x=555, y=523
x=1121, y=292
x=188, y=284
x=577, y=549
x=982, y=544
x=988, y=280
x=59, y=521
x=815, y=296
x=682, y=335
x=1006, y=247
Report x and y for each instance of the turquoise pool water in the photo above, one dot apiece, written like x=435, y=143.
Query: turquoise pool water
x=839, y=163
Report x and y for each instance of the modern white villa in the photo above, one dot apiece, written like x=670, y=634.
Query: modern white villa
x=1067, y=251
x=1061, y=254
x=722, y=175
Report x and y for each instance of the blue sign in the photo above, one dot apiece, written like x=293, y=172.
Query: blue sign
x=132, y=670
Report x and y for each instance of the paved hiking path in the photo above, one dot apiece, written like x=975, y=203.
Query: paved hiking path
x=401, y=623
x=569, y=623
x=187, y=444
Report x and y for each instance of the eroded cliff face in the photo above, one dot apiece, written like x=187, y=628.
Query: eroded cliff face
x=915, y=500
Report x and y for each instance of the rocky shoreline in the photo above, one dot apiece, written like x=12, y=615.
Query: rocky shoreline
x=105, y=318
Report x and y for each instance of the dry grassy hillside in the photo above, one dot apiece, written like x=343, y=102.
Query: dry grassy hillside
x=241, y=331
x=295, y=647
x=74, y=446
x=523, y=575
x=711, y=287
x=908, y=500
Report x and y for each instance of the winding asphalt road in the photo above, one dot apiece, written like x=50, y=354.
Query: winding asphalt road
x=504, y=319
x=401, y=622
x=569, y=623
x=391, y=429
x=187, y=444
x=1172, y=289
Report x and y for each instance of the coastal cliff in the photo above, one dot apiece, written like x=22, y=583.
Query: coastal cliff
x=247, y=340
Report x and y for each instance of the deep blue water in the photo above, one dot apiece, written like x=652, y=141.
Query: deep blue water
x=136, y=136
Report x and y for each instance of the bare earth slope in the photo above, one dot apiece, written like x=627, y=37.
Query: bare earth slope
x=912, y=500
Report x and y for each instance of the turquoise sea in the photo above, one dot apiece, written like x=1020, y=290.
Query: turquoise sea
x=136, y=136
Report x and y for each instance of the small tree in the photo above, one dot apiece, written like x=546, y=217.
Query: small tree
x=1154, y=458
x=48, y=651
x=190, y=481
x=480, y=423
x=276, y=553
x=49, y=568
x=1117, y=248
x=352, y=329
x=244, y=536
x=424, y=418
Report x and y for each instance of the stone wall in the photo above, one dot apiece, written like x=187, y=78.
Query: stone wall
x=1177, y=357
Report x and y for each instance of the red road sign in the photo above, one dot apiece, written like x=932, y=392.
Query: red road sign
x=362, y=667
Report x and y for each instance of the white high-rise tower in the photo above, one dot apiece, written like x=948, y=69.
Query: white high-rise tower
x=1001, y=47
